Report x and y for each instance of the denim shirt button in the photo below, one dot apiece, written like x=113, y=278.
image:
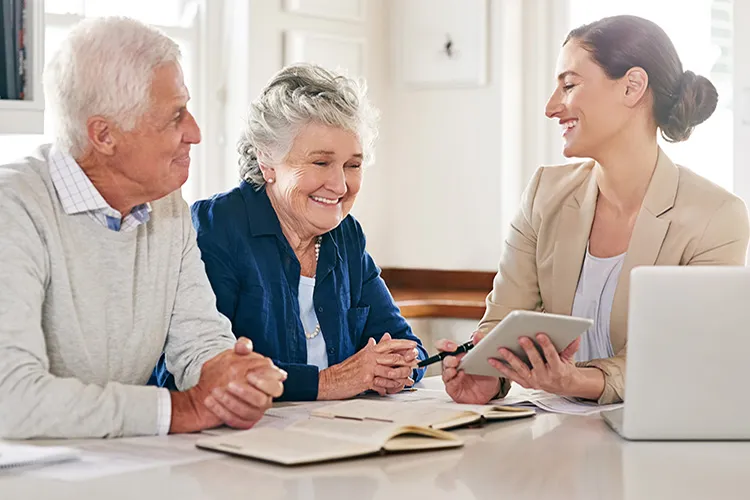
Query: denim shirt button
x=320, y=309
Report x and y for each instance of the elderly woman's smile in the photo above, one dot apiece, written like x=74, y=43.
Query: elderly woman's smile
x=315, y=185
x=325, y=201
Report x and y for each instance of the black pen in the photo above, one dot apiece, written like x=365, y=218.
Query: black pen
x=468, y=346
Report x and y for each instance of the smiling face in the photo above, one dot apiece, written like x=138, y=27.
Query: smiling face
x=155, y=155
x=591, y=108
x=316, y=184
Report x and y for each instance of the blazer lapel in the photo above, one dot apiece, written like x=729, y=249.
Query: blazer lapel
x=573, y=232
x=645, y=242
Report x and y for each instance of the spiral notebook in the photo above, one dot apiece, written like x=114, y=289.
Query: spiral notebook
x=22, y=455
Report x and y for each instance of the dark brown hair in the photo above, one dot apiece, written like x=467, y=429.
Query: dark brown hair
x=682, y=99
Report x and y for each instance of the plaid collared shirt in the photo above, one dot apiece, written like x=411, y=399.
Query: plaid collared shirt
x=78, y=195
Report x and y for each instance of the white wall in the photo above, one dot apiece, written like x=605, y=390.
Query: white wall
x=741, y=52
x=457, y=159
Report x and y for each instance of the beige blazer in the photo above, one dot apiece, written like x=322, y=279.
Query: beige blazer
x=684, y=220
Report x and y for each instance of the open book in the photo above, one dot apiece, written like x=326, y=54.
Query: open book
x=320, y=439
x=425, y=414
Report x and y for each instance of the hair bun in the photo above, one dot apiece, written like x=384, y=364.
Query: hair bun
x=695, y=101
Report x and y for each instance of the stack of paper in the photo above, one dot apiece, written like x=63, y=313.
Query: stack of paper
x=107, y=457
x=518, y=396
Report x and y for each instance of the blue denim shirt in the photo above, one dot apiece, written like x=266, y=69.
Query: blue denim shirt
x=255, y=275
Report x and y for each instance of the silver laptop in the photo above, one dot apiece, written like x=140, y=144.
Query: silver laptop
x=688, y=365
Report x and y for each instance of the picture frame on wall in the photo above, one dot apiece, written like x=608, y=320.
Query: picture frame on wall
x=442, y=43
x=338, y=53
x=343, y=10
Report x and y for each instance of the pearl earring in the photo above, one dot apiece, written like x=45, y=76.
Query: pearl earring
x=270, y=181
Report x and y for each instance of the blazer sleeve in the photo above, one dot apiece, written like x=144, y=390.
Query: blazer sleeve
x=384, y=315
x=723, y=243
x=516, y=284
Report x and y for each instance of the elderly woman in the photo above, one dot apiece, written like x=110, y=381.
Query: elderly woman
x=286, y=260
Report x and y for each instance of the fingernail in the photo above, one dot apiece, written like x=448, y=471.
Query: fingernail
x=209, y=401
x=283, y=373
x=216, y=393
x=233, y=386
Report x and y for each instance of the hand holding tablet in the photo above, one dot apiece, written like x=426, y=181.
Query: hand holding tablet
x=561, y=330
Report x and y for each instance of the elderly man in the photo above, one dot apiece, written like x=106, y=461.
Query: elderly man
x=98, y=260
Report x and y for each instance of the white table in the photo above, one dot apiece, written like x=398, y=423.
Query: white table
x=549, y=456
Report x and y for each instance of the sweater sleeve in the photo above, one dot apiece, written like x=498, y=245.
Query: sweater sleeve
x=197, y=331
x=33, y=402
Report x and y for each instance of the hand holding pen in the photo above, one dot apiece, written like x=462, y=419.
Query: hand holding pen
x=463, y=388
x=461, y=349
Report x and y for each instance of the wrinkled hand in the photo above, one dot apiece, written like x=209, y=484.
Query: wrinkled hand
x=384, y=367
x=558, y=375
x=460, y=386
x=235, y=388
x=401, y=353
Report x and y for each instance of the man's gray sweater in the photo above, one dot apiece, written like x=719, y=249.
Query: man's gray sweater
x=85, y=312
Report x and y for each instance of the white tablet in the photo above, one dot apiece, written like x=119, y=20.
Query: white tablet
x=562, y=330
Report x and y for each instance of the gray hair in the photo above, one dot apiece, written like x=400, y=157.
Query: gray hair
x=104, y=67
x=295, y=96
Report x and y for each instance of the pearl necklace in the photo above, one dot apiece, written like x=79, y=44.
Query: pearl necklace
x=316, y=332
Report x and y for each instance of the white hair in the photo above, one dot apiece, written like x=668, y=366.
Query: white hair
x=104, y=67
x=298, y=95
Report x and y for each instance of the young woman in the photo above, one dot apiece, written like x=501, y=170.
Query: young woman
x=583, y=227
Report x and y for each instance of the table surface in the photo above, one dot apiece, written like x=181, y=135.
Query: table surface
x=549, y=456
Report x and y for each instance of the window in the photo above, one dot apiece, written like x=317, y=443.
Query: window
x=702, y=34
x=179, y=19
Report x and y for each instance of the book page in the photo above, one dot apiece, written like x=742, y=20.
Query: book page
x=359, y=431
x=441, y=399
x=492, y=407
x=404, y=413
